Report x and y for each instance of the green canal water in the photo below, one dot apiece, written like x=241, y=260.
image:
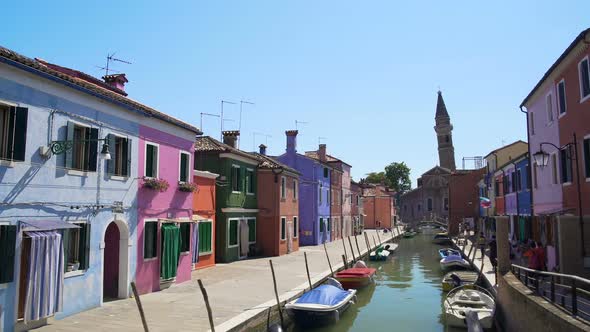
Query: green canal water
x=406, y=295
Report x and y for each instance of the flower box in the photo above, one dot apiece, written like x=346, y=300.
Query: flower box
x=187, y=187
x=155, y=184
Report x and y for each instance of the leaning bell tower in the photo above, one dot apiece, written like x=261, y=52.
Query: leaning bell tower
x=444, y=135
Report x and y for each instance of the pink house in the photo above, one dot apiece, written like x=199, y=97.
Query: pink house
x=165, y=227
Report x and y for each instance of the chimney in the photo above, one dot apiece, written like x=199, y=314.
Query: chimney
x=262, y=149
x=116, y=81
x=230, y=137
x=291, y=141
x=322, y=152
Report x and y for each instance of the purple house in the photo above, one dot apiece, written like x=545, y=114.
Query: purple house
x=314, y=193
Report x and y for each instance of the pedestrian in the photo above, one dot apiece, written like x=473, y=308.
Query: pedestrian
x=493, y=252
x=541, y=265
x=532, y=254
x=481, y=242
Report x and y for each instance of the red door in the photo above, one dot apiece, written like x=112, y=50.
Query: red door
x=111, y=262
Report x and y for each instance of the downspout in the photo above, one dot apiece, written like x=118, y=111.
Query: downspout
x=528, y=139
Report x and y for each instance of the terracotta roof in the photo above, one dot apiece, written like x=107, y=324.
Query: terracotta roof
x=329, y=158
x=441, y=109
x=209, y=144
x=565, y=53
x=84, y=83
x=271, y=163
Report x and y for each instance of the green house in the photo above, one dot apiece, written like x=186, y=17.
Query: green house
x=236, y=195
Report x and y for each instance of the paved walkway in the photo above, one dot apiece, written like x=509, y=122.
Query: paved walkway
x=475, y=258
x=236, y=291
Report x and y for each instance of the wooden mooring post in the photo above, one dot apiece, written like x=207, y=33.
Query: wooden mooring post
x=345, y=262
x=328, y=257
x=206, y=299
x=375, y=241
x=367, y=242
x=140, y=307
x=344, y=245
x=274, y=281
x=351, y=250
x=357, y=246
x=307, y=269
x=377, y=231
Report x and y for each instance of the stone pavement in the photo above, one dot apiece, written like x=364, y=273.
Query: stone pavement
x=237, y=291
x=475, y=258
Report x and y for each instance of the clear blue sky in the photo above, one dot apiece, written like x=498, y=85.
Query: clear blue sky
x=364, y=74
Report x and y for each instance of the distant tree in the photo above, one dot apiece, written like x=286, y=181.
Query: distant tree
x=376, y=178
x=397, y=177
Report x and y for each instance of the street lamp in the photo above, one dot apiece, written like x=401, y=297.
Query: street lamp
x=542, y=159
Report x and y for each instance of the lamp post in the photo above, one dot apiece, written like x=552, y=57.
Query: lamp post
x=542, y=158
x=59, y=147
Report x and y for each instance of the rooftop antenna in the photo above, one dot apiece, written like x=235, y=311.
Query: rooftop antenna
x=111, y=57
x=207, y=114
x=297, y=122
x=254, y=134
x=242, y=102
x=224, y=102
x=320, y=139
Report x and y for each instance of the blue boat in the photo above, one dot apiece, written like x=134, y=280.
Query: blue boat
x=322, y=305
x=449, y=252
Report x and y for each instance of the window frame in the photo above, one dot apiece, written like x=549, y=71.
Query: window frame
x=429, y=204
x=80, y=250
x=582, y=97
x=283, y=228
x=86, y=152
x=295, y=227
x=555, y=174
x=255, y=229
x=238, y=179
x=157, y=171
x=145, y=221
x=566, y=180
x=586, y=153
x=561, y=111
x=10, y=107
x=229, y=220
x=180, y=226
x=549, y=108
x=188, y=166
x=295, y=189
x=283, y=187
x=207, y=221
x=320, y=193
x=322, y=225
x=249, y=179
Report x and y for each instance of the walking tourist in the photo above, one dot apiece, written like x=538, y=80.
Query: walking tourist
x=493, y=252
x=481, y=242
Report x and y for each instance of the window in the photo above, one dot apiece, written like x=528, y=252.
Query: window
x=151, y=160
x=535, y=175
x=250, y=181
x=295, y=193
x=561, y=97
x=586, y=157
x=326, y=172
x=7, y=252
x=328, y=195
x=549, y=107
x=515, y=179
x=322, y=225
x=235, y=178
x=150, y=239
x=419, y=207
x=120, y=149
x=232, y=233
x=446, y=203
x=532, y=122
x=83, y=154
x=429, y=204
x=566, y=166
x=554, y=168
x=185, y=237
x=77, y=247
x=283, y=228
x=185, y=161
x=205, y=237
x=584, y=74
x=13, y=132
x=506, y=183
x=295, y=227
x=283, y=187
x=496, y=187
x=252, y=230
x=320, y=193
x=447, y=138
x=518, y=180
x=329, y=222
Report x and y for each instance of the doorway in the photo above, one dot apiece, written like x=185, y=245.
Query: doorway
x=111, y=263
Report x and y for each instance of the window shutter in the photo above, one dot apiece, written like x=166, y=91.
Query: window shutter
x=85, y=245
x=70, y=153
x=110, y=140
x=20, y=134
x=92, y=150
x=127, y=152
x=66, y=245
x=7, y=253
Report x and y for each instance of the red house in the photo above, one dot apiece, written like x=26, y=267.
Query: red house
x=204, y=213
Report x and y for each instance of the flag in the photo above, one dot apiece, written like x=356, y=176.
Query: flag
x=485, y=202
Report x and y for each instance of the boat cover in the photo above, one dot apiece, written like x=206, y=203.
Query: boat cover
x=356, y=272
x=325, y=294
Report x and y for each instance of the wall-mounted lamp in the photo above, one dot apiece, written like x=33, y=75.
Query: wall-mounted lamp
x=59, y=147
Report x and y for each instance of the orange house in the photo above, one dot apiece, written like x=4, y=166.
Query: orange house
x=277, y=232
x=204, y=214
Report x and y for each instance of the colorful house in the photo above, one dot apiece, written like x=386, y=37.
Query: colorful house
x=278, y=204
x=314, y=193
x=377, y=206
x=204, y=214
x=464, y=197
x=69, y=168
x=356, y=209
x=236, y=199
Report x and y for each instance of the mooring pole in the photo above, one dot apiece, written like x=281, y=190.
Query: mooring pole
x=357, y=246
x=378, y=236
x=307, y=269
x=367, y=242
x=139, y=306
x=344, y=261
x=351, y=250
x=373, y=236
x=344, y=245
x=206, y=299
x=328, y=257
x=274, y=281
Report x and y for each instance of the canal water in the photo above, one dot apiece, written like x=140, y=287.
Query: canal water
x=406, y=296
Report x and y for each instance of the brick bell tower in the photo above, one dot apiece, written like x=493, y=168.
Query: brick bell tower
x=444, y=135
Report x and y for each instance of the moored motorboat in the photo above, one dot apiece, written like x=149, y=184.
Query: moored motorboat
x=356, y=277
x=322, y=305
x=454, y=261
x=379, y=254
x=442, y=238
x=448, y=251
x=458, y=278
x=462, y=300
x=409, y=234
x=391, y=247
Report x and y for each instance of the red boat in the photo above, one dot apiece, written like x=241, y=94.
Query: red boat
x=356, y=277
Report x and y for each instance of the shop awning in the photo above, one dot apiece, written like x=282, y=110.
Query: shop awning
x=46, y=225
x=168, y=221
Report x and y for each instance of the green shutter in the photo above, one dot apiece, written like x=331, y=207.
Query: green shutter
x=7, y=253
x=205, y=237
x=252, y=230
x=110, y=140
x=66, y=245
x=127, y=151
x=185, y=231
x=92, y=145
x=321, y=225
x=149, y=161
x=149, y=239
x=84, y=246
x=183, y=167
x=69, y=155
x=233, y=232
x=587, y=156
x=283, y=226
x=20, y=134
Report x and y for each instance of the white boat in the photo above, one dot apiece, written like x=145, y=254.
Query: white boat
x=391, y=247
x=454, y=261
x=461, y=301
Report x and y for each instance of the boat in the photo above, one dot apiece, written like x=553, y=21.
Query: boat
x=391, y=247
x=458, y=278
x=463, y=301
x=356, y=277
x=379, y=254
x=442, y=238
x=454, y=261
x=409, y=234
x=322, y=305
x=448, y=251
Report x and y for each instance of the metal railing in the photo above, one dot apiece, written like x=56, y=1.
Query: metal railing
x=569, y=292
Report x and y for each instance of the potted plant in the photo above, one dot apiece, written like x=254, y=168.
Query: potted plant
x=188, y=187
x=155, y=184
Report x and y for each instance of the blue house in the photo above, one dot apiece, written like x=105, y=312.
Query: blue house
x=315, y=225
x=68, y=189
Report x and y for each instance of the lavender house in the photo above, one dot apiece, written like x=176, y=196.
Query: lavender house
x=314, y=193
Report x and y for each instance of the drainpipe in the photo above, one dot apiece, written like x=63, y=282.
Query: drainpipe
x=531, y=164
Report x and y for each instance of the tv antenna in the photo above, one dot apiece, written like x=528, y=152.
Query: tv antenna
x=207, y=114
x=111, y=58
x=242, y=102
x=297, y=123
x=224, y=102
x=254, y=134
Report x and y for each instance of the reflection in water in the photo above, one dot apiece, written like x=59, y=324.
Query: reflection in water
x=406, y=296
